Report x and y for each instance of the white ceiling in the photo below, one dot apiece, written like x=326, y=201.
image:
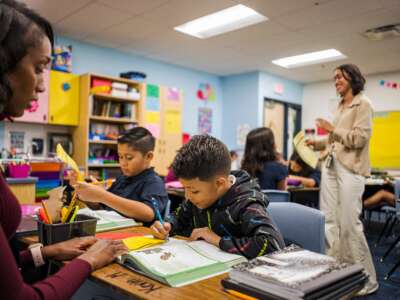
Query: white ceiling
x=145, y=27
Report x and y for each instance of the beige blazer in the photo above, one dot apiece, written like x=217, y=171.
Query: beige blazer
x=350, y=137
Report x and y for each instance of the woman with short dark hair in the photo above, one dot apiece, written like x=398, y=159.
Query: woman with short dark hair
x=344, y=170
x=26, y=41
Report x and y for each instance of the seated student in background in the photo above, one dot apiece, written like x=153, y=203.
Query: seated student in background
x=380, y=198
x=225, y=209
x=170, y=176
x=132, y=192
x=262, y=161
x=299, y=170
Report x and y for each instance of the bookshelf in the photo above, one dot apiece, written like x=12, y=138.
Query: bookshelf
x=108, y=106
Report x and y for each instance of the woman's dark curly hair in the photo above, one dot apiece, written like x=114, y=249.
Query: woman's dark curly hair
x=353, y=75
x=20, y=29
x=260, y=148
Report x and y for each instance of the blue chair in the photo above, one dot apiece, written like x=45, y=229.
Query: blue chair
x=302, y=225
x=277, y=195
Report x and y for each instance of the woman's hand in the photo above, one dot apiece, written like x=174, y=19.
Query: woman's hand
x=103, y=252
x=324, y=124
x=69, y=249
x=90, y=192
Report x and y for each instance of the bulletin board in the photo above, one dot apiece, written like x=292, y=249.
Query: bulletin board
x=385, y=141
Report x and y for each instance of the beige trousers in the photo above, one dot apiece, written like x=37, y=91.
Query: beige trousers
x=341, y=202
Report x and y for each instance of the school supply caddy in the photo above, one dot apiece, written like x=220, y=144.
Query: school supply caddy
x=179, y=262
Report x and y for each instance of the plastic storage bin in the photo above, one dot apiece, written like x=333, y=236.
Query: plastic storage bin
x=54, y=233
x=19, y=171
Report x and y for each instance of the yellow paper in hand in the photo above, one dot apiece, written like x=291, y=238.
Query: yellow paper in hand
x=305, y=152
x=141, y=242
x=61, y=154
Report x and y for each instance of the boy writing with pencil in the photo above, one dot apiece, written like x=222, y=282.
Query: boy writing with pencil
x=225, y=209
x=138, y=189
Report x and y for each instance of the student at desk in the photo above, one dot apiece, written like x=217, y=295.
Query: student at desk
x=133, y=192
x=225, y=209
x=302, y=172
x=26, y=41
x=261, y=160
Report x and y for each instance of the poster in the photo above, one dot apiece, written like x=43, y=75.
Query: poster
x=152, y=104
x=205, y=120
x=173, y=121
x=152, y=117
x=154, y=129
x=173, y=94
x=153, y=91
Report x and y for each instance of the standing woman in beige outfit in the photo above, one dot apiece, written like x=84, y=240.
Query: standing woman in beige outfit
x=344, y=170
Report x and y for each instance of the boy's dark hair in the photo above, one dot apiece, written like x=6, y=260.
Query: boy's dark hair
x=139, y=138
x=353, y=75
x=203, y=157
x=305, y=171
x=20, y=29
x=260, y=148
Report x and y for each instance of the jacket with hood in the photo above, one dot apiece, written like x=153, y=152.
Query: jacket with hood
x=239, y=217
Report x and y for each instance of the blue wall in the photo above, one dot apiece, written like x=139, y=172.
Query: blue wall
x=240, y=105
x=244, y=100
x=89, y=58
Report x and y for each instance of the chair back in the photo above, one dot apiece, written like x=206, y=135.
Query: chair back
x=302, y=225
x=277, y=195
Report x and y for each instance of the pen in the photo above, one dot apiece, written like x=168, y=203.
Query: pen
x=158, y=214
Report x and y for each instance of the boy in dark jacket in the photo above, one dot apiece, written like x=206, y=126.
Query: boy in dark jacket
x=226, y=210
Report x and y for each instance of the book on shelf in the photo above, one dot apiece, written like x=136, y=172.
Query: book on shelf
x=295, y=273
x=108, y=219
x=180, y=262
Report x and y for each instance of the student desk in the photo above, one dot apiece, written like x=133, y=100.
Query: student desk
x=305, y=196
x=118, y=282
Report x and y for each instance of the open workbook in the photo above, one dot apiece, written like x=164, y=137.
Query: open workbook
x=179, y=262
x=108, y=219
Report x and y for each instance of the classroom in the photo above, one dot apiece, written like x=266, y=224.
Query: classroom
x=209, y=149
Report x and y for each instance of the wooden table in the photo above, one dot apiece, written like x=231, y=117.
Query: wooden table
x=125, y=283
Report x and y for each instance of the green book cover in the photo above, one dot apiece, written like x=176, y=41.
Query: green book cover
x=179, y=262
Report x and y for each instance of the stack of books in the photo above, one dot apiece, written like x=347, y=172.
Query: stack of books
x=294, y=273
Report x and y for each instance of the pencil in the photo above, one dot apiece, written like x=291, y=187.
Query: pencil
x=240, y=295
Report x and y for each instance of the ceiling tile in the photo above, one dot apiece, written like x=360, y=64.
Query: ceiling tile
x=91, y=19
x=54, y=11
x=135, y=7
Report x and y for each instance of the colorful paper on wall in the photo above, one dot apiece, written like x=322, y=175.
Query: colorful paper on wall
x=154, y=129
x=152, y=104
x=152, y=117
x=205, y=120
x=389, y=84
x=153, y=91
x=173, y=94
x=206, y=92
x=173, y=121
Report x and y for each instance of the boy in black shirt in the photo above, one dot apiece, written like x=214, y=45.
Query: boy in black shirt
x=226, y=210
x=132, y=192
